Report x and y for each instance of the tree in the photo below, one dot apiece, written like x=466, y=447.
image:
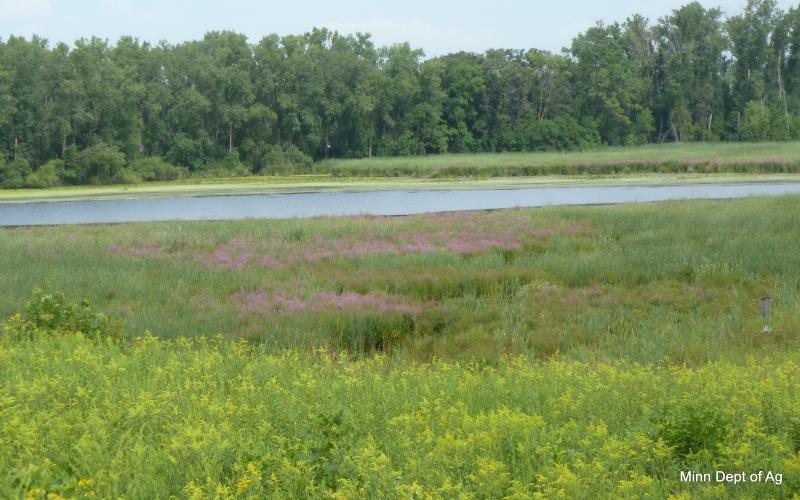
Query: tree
x=98, y=164
x=691, y=47
x=608, y=82
x=222, y=105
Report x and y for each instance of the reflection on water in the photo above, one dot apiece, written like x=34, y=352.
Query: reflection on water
x=280, y=206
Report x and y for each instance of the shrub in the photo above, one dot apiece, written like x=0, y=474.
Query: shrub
x=762, y=123
x=154, y=168
x=286, y=161
x=561, y=133
x=125, y=176
x=48, y=175
x=691, y=429
x=49, y=313
x=185, y=150
x=12, y=175
x=229, y=166
x=98, y=164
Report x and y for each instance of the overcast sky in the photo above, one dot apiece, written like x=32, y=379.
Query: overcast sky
x=438, y=27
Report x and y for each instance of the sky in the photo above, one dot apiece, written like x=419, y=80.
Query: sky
x=437, y=27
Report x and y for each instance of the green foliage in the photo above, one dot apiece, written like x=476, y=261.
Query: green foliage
x=691, y=76
x=49, y=313
x=156, y=169
x=667, y=283
x=185, y=150
x=286, y=161
x=98, y=164
x=665, y=158
x=760, y=123
x=562, y=133
x=48, y=175
x=229, y=166
x=13, y=174
x=208, y=418
x=690, y=430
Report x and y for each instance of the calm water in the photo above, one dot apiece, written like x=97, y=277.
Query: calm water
x=280, y=206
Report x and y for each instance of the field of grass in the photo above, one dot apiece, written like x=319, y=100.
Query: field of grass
x=783, y=157
x=569, y=352
x=662, y=283
x=213, y=419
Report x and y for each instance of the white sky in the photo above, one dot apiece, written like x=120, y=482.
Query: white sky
x=438, y=27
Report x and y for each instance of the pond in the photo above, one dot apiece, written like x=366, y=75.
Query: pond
x=379, y=202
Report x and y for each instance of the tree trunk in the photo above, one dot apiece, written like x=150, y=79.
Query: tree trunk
x=782, y=94
x=16, y=146
x=738, y=118
x=230, y=136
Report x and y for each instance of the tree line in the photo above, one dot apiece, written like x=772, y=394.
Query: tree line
x=94, y=112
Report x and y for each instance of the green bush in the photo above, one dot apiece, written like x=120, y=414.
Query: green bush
x=185, y=150
x=98, y=164
x=229, y=166
x=48, y=175
x=12, y=175
x=763, y=123
x=562, y=133
x=154, y=168
x=286, y=161
x=125, y=176
x=692, y=429
x=48, y=313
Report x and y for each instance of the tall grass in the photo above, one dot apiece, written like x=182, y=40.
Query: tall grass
x=667, y=158
x=647, y=316
x=662, y=283
x=214, y=419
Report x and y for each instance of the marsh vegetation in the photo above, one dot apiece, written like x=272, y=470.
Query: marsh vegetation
x=670, y=282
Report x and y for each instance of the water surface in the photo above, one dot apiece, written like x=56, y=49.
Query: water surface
x=386, y=202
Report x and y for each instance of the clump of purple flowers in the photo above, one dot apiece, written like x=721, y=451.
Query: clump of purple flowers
x=463, y=233
x=281, y=302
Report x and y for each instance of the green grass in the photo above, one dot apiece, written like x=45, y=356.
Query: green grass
x=703, y=154
x=570, y=352
x=211, y=419
x=665, y=158
x=662, y=283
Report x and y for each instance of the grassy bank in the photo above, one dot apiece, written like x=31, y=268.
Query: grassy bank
x=206, y=419
x=321, y=183
x=665, y=158
x=662, y=283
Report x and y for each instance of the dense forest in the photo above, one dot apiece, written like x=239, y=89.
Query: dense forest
x=95, y=112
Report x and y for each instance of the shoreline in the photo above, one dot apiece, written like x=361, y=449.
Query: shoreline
x=320, y=184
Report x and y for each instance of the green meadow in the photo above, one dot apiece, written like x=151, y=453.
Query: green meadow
x=778, y=157
x=531, y=353
x=214, y=419
x=630, y=351
x=660, y=283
